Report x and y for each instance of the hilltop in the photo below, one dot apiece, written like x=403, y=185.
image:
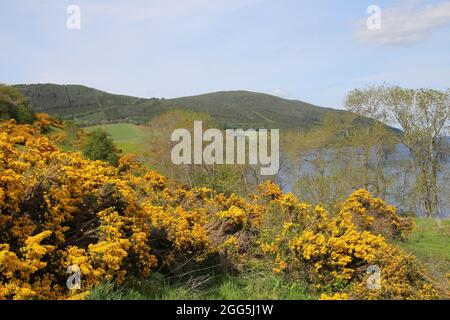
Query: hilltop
x=239, y=109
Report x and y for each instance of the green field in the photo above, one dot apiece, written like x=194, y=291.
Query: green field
x=430, y=239
x=430, y=243
x=128, y=137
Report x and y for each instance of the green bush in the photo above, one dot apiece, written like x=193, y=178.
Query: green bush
x=14, y=106
x=99, y=146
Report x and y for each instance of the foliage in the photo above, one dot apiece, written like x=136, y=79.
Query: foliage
x=100, y=146
x=14, y=106
x=69, y=137
x=423, y=115
x=334, y=252
x=43, y=122
x=157, y=154
x=374, y=215
x=58, y=209
x=339, y=157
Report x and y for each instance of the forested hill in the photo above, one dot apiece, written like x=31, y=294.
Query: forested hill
x=230, y=109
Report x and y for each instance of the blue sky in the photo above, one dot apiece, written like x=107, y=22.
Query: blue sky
x=315, y=51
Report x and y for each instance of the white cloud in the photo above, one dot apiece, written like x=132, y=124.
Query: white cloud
x=405, y=24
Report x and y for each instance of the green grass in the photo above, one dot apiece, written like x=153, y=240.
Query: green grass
x=128, y=137
x=261, y=286
x=430, y=243
x=430, y=239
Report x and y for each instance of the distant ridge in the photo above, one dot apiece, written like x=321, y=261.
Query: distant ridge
x=232, y=109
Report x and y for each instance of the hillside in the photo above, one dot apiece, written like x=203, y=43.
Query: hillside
x=230, y=109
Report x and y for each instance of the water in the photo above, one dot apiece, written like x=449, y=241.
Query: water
x=400, y=154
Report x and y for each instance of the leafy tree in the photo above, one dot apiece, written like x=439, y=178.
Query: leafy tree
x=424, y=116
x=13, y=105
x=157, y=154
x=344, y=154
x=100, y=146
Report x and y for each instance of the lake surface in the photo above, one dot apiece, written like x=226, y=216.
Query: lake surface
x=288, y=175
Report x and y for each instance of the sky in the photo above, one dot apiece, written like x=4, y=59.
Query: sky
x=314, y=51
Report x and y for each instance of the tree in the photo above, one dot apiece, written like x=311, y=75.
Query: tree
x=13, y=105
x=100, y=146
x=342, y=155
x=219, y=177
x=423, y=115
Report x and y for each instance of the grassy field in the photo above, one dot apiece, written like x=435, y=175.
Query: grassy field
x=128, y=137
x=430, y=239
x=429, y=243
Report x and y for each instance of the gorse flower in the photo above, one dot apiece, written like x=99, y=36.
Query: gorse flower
x=234, y=215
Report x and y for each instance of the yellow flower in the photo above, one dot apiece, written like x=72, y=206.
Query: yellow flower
x=336, y=296
x=233, y=215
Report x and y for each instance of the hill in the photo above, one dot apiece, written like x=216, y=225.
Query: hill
x=237, y=109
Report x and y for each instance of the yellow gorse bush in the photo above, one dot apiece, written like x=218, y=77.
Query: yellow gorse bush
x=334, y=251
x=58, y=210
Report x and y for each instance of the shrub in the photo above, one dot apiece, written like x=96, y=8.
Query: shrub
x=100, y=146
x=14, y=106
x=374, y=215
x=333, y=252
